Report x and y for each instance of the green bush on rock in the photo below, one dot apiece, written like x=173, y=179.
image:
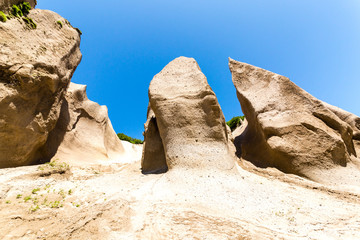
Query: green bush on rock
x=235, y=122
x=30, y=22
x=59, y=23
x=25, y=7
x=21, y=10
x=15, y=11
x=129, y=139
x=3, y=17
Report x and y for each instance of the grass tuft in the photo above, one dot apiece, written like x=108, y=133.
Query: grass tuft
x=3, y=17
x=27, y=198
x=34, y=208
x=16, y=11
x=60, y=23
x=30, y=22
x=25, y=8
x=34, y=191
x=21, y=10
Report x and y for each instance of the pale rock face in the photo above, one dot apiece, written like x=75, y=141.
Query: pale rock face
x=83, y=133
x=189, y=121
x=352, y=120
x=238, y=137
x=36, y=66
x=6, y=4
x=153, y=159
x=288, y=128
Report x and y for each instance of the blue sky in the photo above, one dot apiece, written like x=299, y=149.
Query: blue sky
x=125, y=43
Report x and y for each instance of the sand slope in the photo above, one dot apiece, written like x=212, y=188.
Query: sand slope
x=118, y=202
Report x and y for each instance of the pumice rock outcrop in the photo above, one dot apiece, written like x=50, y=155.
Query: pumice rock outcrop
x=288, y=128
x=185, y=119
x=352, y=120
x=36, y=66
x=83, y=132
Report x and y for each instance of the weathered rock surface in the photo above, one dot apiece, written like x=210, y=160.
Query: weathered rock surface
x=352, y=120
x=289, y=129
x=349, y=118
x=83, y=133
x=238, y=137
x=116, y=201
x=36, y=66
x=187, y=120
x=153, y=148
x=6, y=4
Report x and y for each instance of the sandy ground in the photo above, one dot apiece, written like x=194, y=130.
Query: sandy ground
x=113, y=200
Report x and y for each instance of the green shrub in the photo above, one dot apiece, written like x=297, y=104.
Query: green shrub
x=30, y=22
x=25, y=8
x=15, y=10
x=235, y=122
x=3, y=17
x=137, y=141
x=22, y=10
x=129, y=139
x=59, y=23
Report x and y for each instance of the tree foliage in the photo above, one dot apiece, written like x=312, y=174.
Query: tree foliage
x=124, y=137
x=235, y=122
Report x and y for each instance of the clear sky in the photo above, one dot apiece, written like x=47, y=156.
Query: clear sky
x=125, y=43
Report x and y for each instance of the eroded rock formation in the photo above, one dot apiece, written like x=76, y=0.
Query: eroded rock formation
x=352, y=120
x=36, y=66
x=287, y=127
x=187, y=121
x=83, y=132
